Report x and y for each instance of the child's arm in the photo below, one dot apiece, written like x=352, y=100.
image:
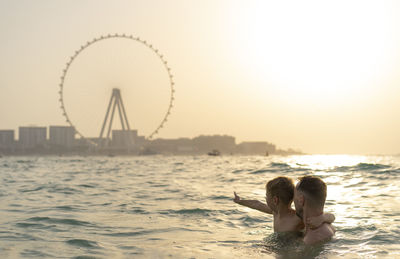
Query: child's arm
x=315, y=222
x=253, y=204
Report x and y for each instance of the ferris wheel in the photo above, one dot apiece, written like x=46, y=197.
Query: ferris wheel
x=116, y=99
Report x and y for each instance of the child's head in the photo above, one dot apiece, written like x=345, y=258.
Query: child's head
x=279, y=190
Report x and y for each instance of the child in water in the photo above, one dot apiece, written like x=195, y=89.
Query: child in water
x=279, y=197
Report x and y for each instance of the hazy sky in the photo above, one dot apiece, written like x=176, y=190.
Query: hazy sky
x=320, y=76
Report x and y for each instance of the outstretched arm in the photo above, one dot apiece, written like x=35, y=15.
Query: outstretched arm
x=253, y=204
x=315, y=222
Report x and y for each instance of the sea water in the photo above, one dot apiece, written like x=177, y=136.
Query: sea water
x=181, y=207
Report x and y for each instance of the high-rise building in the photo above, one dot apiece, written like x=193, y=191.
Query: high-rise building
x=62, y=136
x=124, y=138
x=6, y=139
x=31, y=137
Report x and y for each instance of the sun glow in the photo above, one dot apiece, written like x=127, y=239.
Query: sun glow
x=317, y=52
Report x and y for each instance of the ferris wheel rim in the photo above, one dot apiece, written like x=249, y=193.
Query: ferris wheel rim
x=105, y=37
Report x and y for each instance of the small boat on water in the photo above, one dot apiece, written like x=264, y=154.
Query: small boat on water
x=214, y=152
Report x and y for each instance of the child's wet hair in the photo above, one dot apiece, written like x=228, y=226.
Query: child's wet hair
x=281, y=187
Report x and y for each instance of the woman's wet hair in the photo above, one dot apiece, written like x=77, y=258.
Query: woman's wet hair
x=281, y=187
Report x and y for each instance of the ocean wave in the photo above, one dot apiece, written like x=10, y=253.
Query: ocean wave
x=262, y=171
x=83, y=243
x=383, y=238
x=253, y=221
x=72, y=222
x=8, y=235
x=281, y=168
x=131, y=233
x=391, y=172
x=220, y=197
x=154, y=231
x=279, y=165
x=32, y=190
x=62, y=189
x=24, y=161
x=88, y=185
x=86, y=257
x=5, y=165
x=67, y=208
x=179, y=163
x=238, y=171
x=138, y=211
x=195, y=211
x=31, y=253
x=75, y=161
x=162, y=198
x=368, y=166
x=30, y=225
x=361, y=167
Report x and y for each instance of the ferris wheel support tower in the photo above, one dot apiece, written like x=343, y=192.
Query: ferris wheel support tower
x=115, y=102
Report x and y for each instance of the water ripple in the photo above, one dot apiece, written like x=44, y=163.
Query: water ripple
x=83, y=243
x=72, y=222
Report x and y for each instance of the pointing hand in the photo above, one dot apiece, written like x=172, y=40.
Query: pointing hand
x=237, y=198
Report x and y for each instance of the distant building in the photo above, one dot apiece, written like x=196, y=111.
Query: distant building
x=171, y=146
x=32, y=137
x=62, y=136
x=224, y=143
x=141, y=141
x=256, y=147
x=124, y=138
x=7, y=139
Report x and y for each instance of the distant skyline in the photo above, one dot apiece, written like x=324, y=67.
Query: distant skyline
x=318, y=76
